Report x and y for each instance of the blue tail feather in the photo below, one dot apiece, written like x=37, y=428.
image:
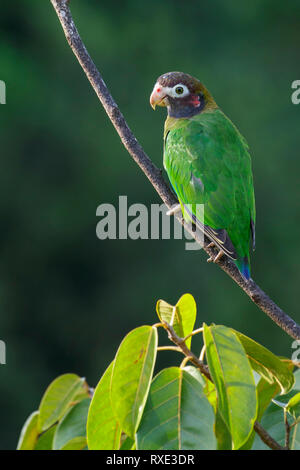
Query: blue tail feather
x=244, y=267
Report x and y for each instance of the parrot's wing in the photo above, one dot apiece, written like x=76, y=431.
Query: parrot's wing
x=208, y=164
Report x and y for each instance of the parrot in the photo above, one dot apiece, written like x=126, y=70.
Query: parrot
x=209, y=167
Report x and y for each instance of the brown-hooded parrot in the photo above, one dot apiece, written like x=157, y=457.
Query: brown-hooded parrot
x=208, y=165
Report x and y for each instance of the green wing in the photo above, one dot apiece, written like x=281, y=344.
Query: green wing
x=208, y=163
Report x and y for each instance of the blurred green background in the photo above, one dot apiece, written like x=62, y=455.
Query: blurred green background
x=67, y=298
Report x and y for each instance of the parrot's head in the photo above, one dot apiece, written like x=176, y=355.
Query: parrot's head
x=182, y=94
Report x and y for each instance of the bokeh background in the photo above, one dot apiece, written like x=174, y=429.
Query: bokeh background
x=67, y=298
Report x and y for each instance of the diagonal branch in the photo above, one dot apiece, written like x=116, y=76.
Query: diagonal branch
x=256, y=294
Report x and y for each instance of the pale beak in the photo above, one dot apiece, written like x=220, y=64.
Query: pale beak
x=157, y=97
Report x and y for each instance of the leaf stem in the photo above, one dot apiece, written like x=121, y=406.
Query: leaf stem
x=193, y=333
x=169, y=348
x=185, y=361
x=201, y=357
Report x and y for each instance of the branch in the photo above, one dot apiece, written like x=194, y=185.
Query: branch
x=266, y=438
x=180, y=343
x=287, y=430
x=256, y=294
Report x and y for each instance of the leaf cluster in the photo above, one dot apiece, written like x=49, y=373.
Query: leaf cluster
x=179, y=407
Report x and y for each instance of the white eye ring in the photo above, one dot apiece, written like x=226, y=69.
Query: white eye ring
x=175, y=93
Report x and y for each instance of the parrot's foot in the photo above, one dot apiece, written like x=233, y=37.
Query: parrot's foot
x=216, y=258
x=211, y=245
x=174, y=209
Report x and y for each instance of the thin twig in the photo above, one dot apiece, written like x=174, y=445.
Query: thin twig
x=287, y=429
x=256, y=294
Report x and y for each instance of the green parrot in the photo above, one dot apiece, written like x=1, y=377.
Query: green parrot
x=208, y=165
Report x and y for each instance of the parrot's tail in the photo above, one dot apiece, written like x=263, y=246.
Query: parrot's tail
x=244, y=267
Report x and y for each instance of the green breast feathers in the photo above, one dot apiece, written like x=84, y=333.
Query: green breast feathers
x=208, y=164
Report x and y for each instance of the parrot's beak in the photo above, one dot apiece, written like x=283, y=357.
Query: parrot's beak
x=157, y=97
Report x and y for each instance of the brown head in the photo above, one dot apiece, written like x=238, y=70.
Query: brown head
x=182, y=94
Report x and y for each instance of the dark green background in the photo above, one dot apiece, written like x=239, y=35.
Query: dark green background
x=66, y=298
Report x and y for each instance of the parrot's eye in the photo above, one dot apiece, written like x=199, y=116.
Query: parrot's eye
x=179, y=90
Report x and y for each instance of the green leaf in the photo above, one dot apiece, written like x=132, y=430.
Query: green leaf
x=131, y=377
x=283, y=400
x=77, y=443
x=103, y=430
x=297, y=379
x=196, y=374
x=269, y=366
x=223, y=436
x=72, y=425
x=211, y=393
x=58, y=397
x=127, y=444
x=45, y=441
x=293, y=406
x=272, y=420
x=177, y=415
x=181, y=316
x=29, y=433
x=265, y=393
x=234, y=381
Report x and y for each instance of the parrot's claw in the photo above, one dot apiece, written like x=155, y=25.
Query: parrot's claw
x=219, y=256
x=210, y=245
x=216, y=258
x=174, y=209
